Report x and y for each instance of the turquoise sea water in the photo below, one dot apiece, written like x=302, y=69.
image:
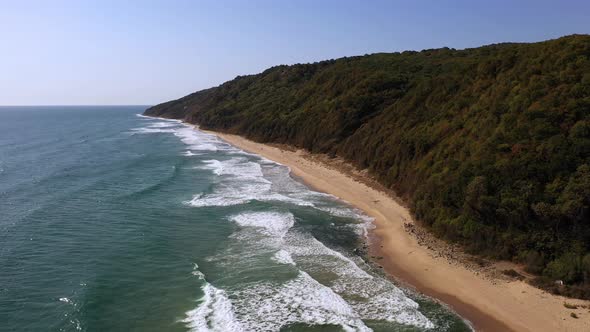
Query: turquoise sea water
x=110, y=221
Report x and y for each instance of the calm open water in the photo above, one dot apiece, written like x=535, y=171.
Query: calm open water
x=110, y=221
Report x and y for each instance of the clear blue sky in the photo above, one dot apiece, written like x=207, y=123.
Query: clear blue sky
x=144, y=52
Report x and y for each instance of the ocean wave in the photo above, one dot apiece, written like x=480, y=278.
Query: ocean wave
x=239, y=167
x=305, y=246
x=237, y=194
x=257, y=238
x=147, y=130
x=214, y=313
x=346, y=212
x=271, y=223
x=343, y=294
x=189, y=153
x=268, y=307
x=197, y=273
x=147, y=117
x=367, y=296
x=248, y=180
x=162, y=124
x=194, y=139
x=156, y=127
x=372, y=297
x=361, y=228
x=245, y=181
x=197, y=140
x=283, y=257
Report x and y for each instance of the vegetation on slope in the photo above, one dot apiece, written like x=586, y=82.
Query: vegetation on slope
x=490, y=146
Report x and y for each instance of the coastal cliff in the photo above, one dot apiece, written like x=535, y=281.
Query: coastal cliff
x=490, y=146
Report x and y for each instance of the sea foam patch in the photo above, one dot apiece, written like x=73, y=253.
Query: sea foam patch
x=238, y=168
x=243, y=181
x=271, y=223
x=260, y=172
x=268, y=307
x=190, y=153
x=148, y=130
x=362, y=295
x=162, y=124
x=283, y=257
x=195, y=140
x=214, y=313
x=372, y=297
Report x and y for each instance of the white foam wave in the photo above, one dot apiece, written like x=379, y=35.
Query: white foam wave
x=228, y=195
x=147, y=117
x=347, y=294
x=368, y=297
x=383, y=301
x=345, y=212
x=200, y=141
x=271, y=223
x=282, y=187
x=147, y=130
x=265, y=180
x=372, y=298
x=236, y=167
x=214, y=313
x=197, y=273
x=304, y=245
x=195, y=139
x=157, y=125
x=283, y=257
x=162, y=124
x=244, y=181
x=201, y=200
x=266, y=307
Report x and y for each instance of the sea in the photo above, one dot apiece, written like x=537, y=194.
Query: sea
x=113, y=221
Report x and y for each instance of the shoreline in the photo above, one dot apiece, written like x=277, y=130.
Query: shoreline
x=488, y=304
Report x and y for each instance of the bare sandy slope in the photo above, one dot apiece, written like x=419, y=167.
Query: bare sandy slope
x=491, y=305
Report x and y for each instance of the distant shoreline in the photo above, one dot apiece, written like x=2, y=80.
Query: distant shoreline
x=489, y=305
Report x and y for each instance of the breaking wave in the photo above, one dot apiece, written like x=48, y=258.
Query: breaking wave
x=319, y=285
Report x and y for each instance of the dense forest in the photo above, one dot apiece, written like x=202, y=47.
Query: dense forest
x=490, y=146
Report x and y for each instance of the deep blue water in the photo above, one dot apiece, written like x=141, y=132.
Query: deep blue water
x=114, y=222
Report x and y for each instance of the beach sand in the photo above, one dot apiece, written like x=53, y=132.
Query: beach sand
x=490, y=304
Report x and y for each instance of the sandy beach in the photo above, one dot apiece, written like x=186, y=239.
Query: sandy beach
x=490, y=304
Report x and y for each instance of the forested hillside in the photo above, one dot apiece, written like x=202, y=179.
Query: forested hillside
x=490, y=146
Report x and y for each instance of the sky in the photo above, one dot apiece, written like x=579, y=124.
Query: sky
x=78, y=52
